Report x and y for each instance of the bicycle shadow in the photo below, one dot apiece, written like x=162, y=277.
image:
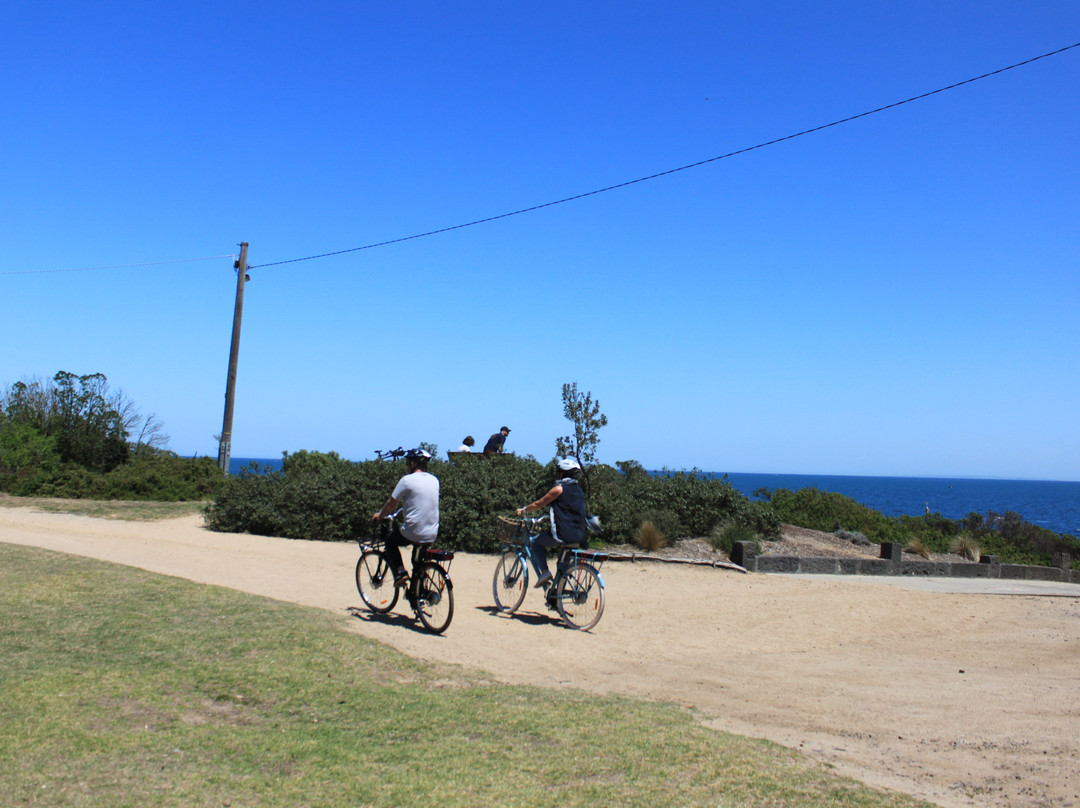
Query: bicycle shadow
x=524, y=615
x=389, y=619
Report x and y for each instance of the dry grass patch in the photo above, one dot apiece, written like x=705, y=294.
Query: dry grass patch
x=650, y=538
x=126, y=510
x=966, y=547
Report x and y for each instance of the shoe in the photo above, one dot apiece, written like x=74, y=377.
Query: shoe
x=401, y=580
x=543, y=580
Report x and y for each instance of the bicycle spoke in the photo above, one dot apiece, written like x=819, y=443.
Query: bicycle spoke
x=581, y=597
x=375, y=583
x=434, y=597
x=510, y=582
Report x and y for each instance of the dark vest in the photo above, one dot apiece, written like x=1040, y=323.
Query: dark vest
x=570, y=516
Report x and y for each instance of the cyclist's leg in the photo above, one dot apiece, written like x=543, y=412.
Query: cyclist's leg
x=562, y=563
x=394, y=542
x=538, y=554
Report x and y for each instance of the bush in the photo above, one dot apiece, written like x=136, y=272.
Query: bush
x=649, y=537
x=156, y=476
x=827, y=512
x=321, y=496
x=855, y=537
x=723, y=537
x=682, y=504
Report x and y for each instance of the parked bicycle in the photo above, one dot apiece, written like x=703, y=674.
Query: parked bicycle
x=577, y=590
x=429, y=590
x=390, y=454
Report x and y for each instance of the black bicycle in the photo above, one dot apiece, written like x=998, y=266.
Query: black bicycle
x=429, y=590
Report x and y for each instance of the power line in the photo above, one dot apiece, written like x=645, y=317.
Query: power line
x=114, y=266
x=670, y=171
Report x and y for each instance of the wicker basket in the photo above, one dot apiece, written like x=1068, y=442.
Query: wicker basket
x=504, y=528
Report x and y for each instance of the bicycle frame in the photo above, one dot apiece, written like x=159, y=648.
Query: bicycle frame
x=573, y=586
x=429, y=590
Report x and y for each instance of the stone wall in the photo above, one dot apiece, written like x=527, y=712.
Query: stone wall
x=892, y=562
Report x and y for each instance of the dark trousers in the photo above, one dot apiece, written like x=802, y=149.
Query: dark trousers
x=394, y=542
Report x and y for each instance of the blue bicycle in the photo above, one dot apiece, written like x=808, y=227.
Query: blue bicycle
x=577, y=590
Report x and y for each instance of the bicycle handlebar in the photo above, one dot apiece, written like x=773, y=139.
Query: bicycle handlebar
x=530, y=520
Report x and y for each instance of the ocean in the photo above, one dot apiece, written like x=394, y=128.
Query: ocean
x=1052, y=505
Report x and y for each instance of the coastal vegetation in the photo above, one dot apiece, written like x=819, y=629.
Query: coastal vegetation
x=74, y=437
x=325, y=497
x=1006, y=535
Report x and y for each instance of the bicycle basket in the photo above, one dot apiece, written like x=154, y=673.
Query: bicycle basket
x=504, y=528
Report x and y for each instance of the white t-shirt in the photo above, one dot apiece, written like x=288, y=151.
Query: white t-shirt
x=418, y=494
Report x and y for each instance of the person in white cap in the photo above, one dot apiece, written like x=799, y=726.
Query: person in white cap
x=568, y=518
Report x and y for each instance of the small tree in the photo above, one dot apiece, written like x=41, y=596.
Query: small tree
x=585, y=415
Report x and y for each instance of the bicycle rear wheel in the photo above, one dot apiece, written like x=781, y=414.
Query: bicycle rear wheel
x=580, y=597
x=375, y=582
x=433, y=597
x=510, y=582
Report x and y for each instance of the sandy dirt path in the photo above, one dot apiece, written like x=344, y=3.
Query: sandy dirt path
x=962, y=699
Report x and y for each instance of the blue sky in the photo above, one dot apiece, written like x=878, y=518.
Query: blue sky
x=895, y=295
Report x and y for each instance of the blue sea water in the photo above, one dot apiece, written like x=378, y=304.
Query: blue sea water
x=1052, y=505
x=238, y=463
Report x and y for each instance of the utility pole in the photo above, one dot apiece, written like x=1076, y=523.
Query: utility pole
x=225, y=445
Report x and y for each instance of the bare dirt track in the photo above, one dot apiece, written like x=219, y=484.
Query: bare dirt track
x=962, y=699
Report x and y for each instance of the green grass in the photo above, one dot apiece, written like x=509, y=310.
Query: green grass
x=123, y=688
x=106, y=509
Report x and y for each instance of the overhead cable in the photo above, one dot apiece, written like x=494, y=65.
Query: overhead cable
x=670, y=171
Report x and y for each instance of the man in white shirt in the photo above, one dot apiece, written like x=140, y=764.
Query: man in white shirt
x=418, y=494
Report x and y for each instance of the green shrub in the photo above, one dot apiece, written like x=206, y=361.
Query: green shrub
x=827, y=512
x=1006, y=535
x=683, y=504
x=321, y=496
x=156, y=476
x=723, y=537
x=853, y=536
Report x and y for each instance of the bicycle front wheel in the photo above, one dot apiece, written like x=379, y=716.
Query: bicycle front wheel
x=510, y=582
x=375, y=582
x=433, y=596
x=580, y=597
